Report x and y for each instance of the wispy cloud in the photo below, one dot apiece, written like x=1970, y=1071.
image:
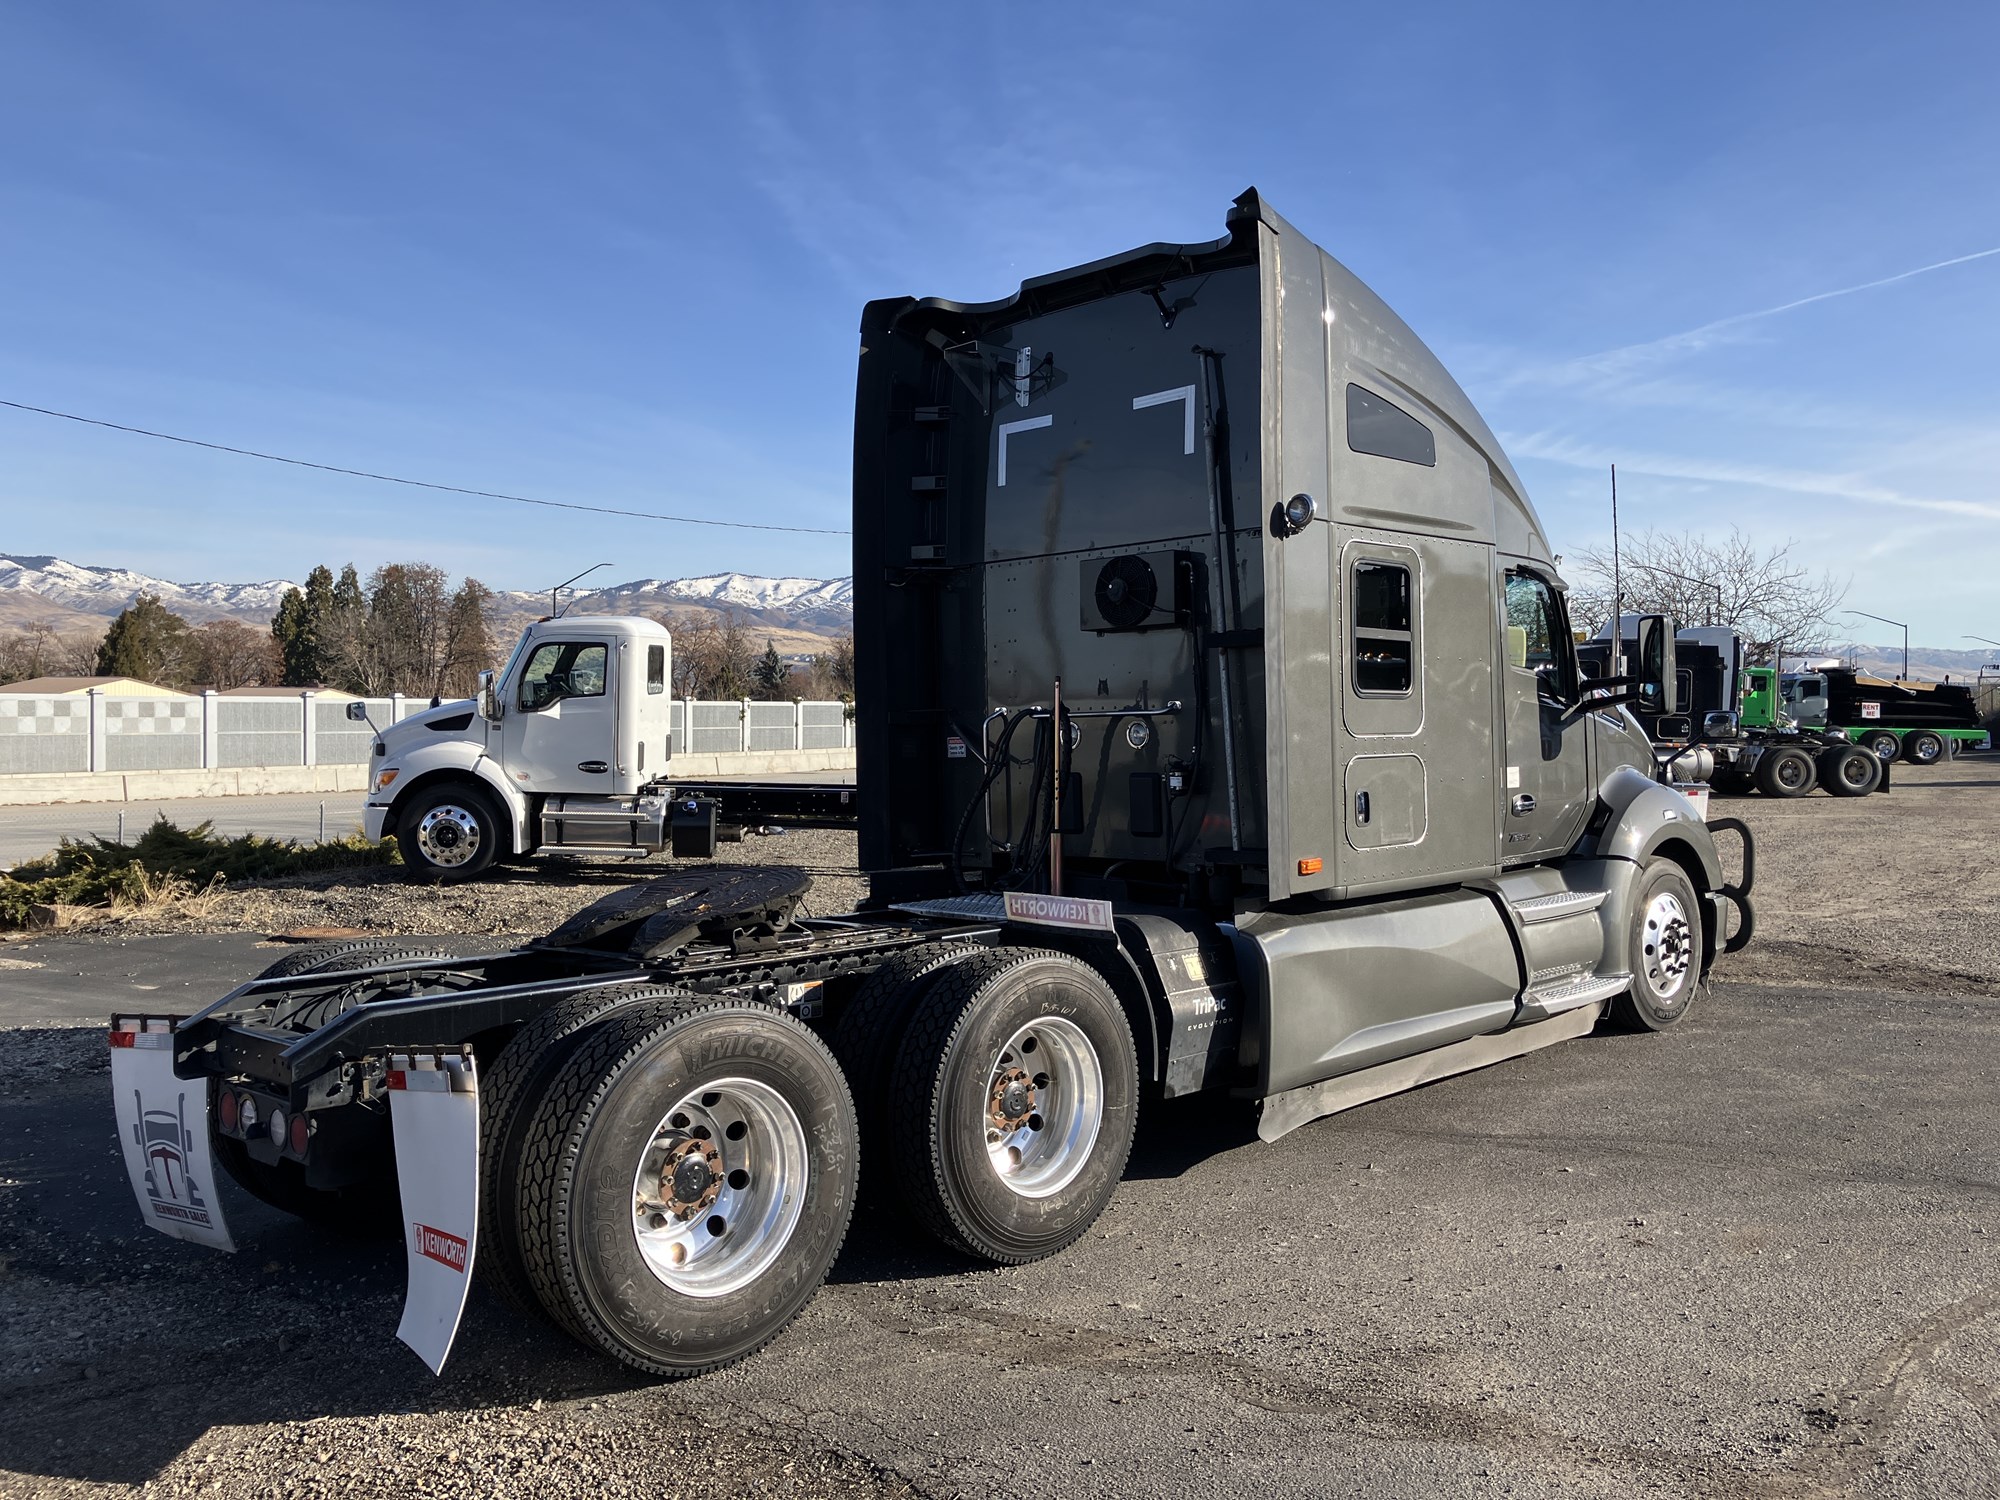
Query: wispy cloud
x=1611, y=365
x=1553, y=448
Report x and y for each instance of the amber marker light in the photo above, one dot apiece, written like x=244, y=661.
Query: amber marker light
x=1311, y=866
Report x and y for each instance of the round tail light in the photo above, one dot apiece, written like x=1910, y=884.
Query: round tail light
x=279, y=1120
x=246, y=1113
x=225, y=1111
x=299, y=1135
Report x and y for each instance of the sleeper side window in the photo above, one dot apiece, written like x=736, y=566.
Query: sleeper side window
x=1536, y=635
x=1383, y=639
x=563, y=669
x=1377, y=425
x=656, y=669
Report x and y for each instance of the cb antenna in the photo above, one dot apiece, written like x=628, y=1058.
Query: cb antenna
x=1617, y=588
x=554, y=612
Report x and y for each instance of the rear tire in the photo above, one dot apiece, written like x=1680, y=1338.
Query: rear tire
x=1662, y=950
x=314, y=1010
x=305, y=960
x=449, y=832
x=1849, y=771
x=870, y=1031
x=686, y=1184
x=1015, y=1095
x=1786, y=771
x=1923, y=748
x=510, y=1092
x=1884, y=744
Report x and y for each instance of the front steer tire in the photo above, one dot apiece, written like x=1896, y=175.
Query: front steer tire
x=451, y=831
x=1663, y=950
x=641, y=1092
x=1014, y=1098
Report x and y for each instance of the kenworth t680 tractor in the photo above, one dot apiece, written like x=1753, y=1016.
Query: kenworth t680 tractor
x=1221, y=730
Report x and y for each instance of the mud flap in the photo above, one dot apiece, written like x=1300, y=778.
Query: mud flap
x=434, y=1115
x=163, y=1133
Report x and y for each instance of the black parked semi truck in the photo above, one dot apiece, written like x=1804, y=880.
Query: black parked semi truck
x=1724, y=724
x=1221, y=729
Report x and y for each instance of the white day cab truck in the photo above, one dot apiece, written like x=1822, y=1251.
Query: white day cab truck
x=565, y=749
x=1221, y=730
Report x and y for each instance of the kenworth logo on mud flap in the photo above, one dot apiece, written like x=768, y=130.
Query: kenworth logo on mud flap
x=445, y=1249
x=164, y=1142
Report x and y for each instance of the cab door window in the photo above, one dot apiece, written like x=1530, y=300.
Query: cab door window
x=563, y=669
x=1538, y=637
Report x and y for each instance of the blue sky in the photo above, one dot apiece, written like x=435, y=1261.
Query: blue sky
x=617, y=255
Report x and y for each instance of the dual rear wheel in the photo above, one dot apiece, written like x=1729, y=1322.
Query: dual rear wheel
x=669, y=1178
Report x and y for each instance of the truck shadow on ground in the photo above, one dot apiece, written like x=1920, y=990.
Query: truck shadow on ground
x=162, y=1343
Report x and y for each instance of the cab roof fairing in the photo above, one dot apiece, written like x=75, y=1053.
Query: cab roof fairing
x=1384, y=346
x=1379, y=339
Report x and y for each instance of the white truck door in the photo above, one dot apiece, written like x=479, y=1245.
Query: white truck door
x=560, y=732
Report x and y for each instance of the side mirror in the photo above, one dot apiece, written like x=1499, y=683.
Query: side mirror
x=489, y=697
x=1655, y=642
x=357, y=712
x=1720, y=725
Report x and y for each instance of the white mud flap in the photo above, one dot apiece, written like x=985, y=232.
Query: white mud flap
x=434, y=1113
x=163, y=1132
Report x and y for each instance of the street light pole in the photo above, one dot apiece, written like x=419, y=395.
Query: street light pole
x=1887, y=621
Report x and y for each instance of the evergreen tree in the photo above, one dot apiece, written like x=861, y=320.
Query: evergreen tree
x=148, y=641
x=291, y=630
x=772, y=678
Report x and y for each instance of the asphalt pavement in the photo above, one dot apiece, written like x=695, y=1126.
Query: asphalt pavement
x=1758, y=1255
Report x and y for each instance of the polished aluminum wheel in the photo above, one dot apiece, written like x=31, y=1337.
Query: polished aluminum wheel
x=1666, y=944
x=720, y=1187
x=1044, y=1107
x=449, y=835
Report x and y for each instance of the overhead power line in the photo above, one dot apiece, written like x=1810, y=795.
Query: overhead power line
x=423, y=484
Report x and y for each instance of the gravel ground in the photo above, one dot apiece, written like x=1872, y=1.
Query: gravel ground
x=1900, y=890
x=514, y=901
x=1758, y=1256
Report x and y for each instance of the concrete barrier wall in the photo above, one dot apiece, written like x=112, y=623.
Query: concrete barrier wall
x=96, y=747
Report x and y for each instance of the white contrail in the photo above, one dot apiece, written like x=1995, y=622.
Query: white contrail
x=1616, y=361
x=1846, y=291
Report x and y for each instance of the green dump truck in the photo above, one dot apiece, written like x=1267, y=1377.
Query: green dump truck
x=1920, y=722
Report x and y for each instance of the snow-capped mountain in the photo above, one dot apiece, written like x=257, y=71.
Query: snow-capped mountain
x=106, y=591
x=804, y=596
x=70, y=594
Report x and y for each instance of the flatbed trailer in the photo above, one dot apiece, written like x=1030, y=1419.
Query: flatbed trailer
x=1221, y=730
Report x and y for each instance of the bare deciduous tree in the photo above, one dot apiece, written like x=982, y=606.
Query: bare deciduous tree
x=1771, y=599
x=712, y=656
x=228, y=654
x=44, y=651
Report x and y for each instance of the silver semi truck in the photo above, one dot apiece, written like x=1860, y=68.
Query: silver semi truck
x=1221, y=730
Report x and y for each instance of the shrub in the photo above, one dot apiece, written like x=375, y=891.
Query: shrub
x=167, y=863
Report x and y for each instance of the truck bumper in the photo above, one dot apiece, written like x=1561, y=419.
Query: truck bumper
x=375, y=820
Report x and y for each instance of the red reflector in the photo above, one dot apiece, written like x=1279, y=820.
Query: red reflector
x=396, y=1079
x=298, y=1135
x=122, y=1038
x=225, y=1111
